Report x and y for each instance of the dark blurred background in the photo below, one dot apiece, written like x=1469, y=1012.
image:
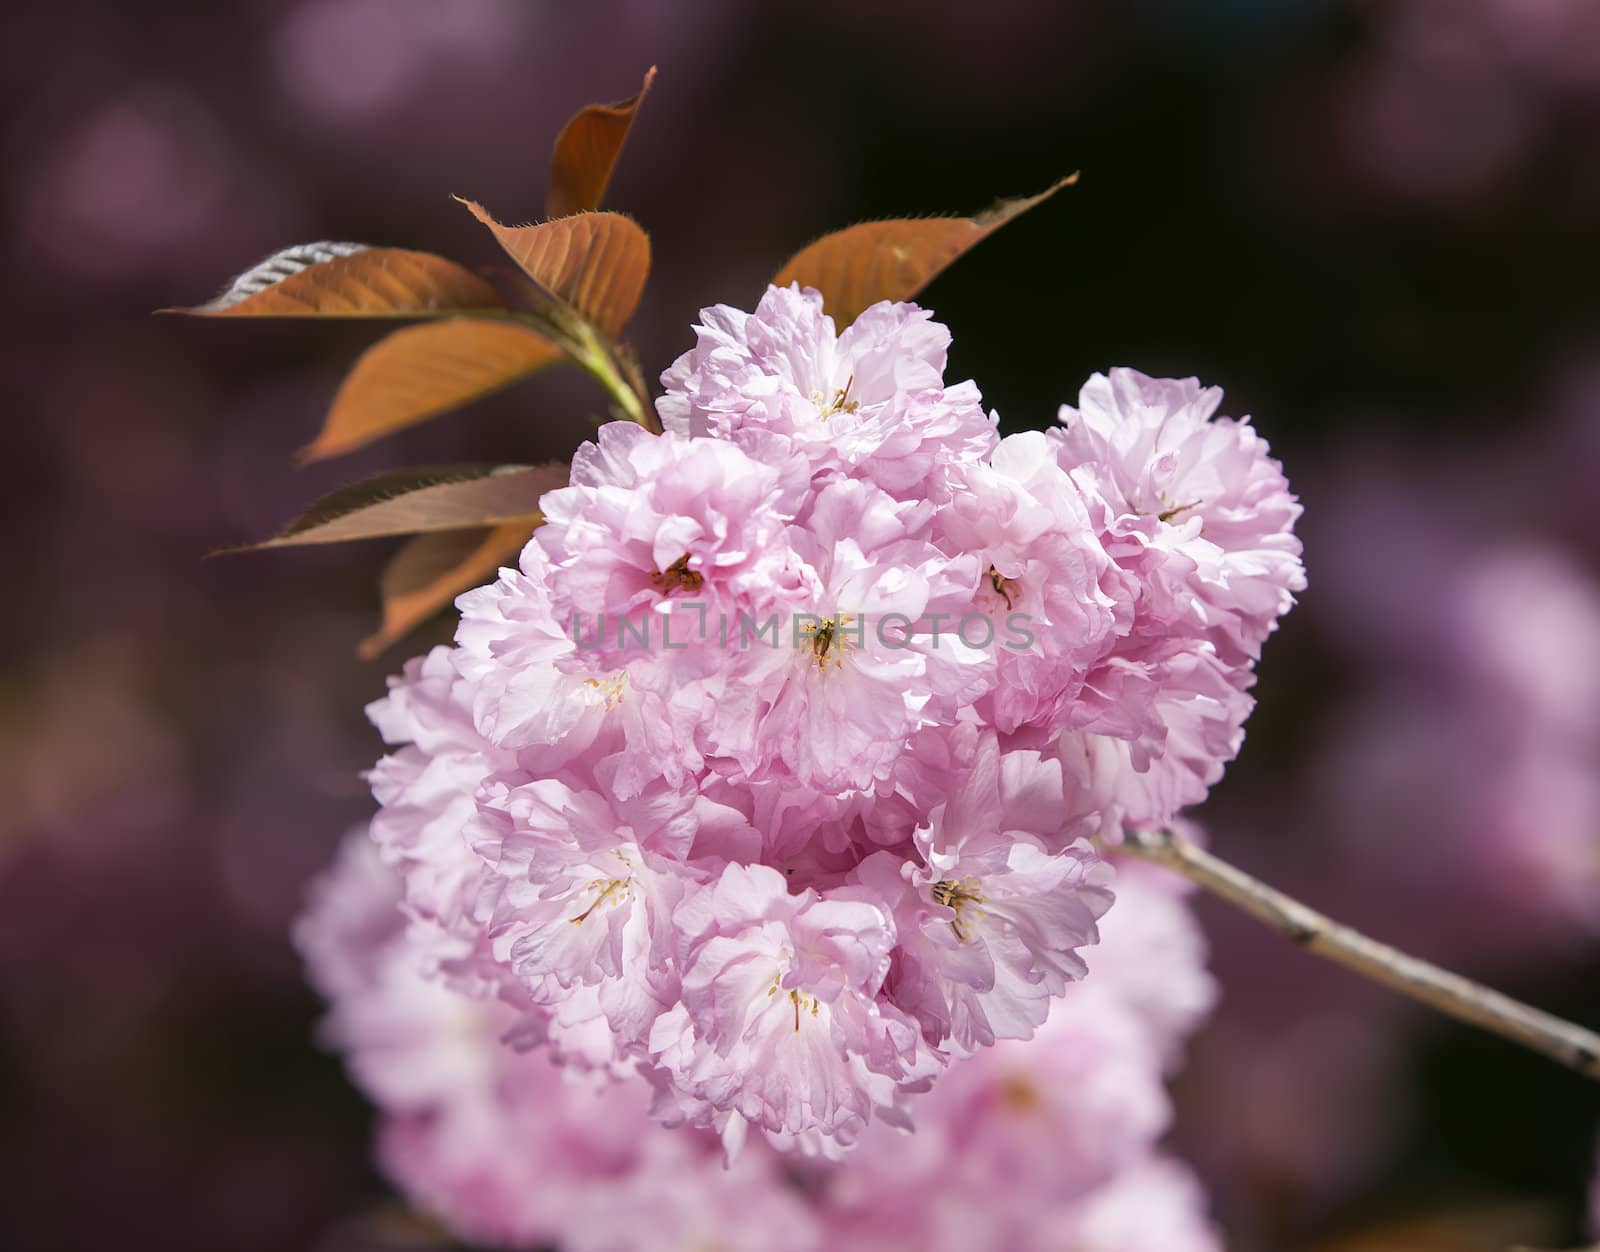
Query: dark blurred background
x=1376, y=225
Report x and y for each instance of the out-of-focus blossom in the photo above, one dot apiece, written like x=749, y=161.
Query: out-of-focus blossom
x=508, y=1148
x=1480, y=769
x=1451, y=784
x=1024, y=1146
x=351, y=58
x=153, y=177
x=1448, y=98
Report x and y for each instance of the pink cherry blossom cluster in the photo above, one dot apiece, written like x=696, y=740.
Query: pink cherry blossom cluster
x=1038, y=1145
x=737, y=782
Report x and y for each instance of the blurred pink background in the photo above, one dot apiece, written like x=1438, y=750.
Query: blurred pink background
x=1374, y=224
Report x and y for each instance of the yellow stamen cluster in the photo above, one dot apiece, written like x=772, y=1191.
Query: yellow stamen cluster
x=609, y=889
x=611, y=688
x=841, y=402
x=958, y=894
x=827, y=647
x=799, y=999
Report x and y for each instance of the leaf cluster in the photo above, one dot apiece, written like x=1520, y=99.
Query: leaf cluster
x=580, y=274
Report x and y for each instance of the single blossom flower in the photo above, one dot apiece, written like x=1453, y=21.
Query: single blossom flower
x=1055, y=599
x=780, y=1023
x=992, y=919
x=870, y=402
x=690, y=531
x=836, y=702
x=1196, y=485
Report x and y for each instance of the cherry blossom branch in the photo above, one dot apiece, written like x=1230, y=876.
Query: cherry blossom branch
x=1451, y=994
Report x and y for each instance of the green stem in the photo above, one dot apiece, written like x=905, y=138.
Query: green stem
x=592, y=350
x=600, y=359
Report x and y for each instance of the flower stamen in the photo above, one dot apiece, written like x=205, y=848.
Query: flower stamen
x=827, y=647
x=608, y=888
x=798, y=999
x=957, y=894
x=678, y=577
x=610, y=688
x=1005, y=588
x=841, y=402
